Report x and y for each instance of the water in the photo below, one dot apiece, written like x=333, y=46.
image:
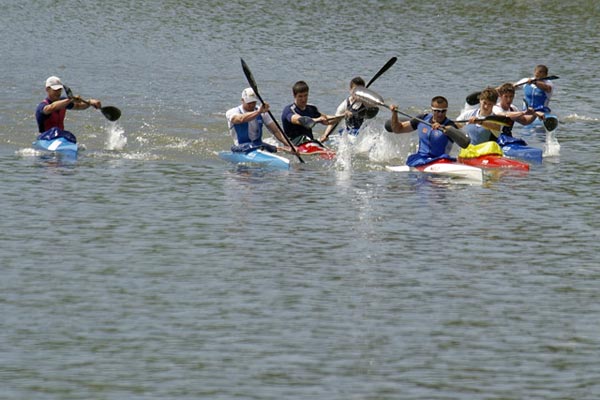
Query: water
x=150, y=269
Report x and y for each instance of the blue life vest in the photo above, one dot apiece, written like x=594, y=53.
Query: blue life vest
x=243, y=133
x=479, y=134
x=535, y=98
x=433, y=144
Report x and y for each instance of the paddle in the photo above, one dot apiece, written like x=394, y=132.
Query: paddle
x=473, y=98
x=550, y=121
x=111, y=113
x=370, y=97
x=381, y=71
x=497, y=119
x=254, y=87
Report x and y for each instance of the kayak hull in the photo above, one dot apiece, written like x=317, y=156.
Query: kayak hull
x=445, y=168
x=522, y=152
x=256, y=157
x=59, y=145
x=495, y=161
x=315, y=148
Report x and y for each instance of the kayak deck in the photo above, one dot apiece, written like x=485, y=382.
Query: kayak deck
x=256, y=157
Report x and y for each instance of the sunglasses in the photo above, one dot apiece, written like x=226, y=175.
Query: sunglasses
x=440, y=110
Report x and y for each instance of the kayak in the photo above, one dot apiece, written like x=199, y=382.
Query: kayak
x=444, y=168
x=316, y=148
x=60, y=145
x=58, y=141
x=518, y=148
x=256, y=157
x=523, y=152
x=495, y=161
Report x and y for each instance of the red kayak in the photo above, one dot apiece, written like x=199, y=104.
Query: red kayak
x=495, y=161
x=316, y=148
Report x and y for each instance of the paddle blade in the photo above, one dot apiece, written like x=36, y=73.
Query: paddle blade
x=550, y=123
x=387, y=66
x=250, y=79
x=458, y=136
x=111, y=113
x=473, y=98
x=368, y=96
x=499, y=120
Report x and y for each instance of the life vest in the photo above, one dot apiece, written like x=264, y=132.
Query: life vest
x=246, y=135
x=433, y=144
x=535, y=98
x=479, y=134
x=54, y=120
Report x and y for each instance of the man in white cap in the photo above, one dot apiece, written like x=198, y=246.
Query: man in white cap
x=51, y=112
x=246, y=121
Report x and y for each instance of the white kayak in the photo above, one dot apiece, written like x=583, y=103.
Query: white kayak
x=445, y=169
x=256, y=157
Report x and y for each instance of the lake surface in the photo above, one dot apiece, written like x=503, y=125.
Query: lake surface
x=151, y=269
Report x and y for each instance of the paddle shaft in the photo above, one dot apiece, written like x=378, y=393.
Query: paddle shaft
x=111, y=113
x=368, y=96
x=254, y=86
x=473, y=98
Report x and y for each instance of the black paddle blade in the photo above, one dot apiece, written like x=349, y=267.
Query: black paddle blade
x=250, y=78
x=458, y=136
x=473, y=98
x=111, y=113
x=387, y=66
x=499, y=119
x=550, y=123
x=68, y=91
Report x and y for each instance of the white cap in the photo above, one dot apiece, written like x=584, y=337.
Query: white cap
x=54, y=83
x=249, y=96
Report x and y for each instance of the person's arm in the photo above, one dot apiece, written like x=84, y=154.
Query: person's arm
x=56, y=105
x=397, y=126
x=524, y=117
x=546, y=86
x=272, y=127
x=249, y=116
x=340, y=111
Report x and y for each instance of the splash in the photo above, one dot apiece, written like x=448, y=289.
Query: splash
x=115, y=139
x=551, y=147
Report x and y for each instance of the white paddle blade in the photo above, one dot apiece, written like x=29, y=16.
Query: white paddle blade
x=368, y=96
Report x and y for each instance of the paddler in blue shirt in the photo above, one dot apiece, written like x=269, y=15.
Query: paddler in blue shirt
x=246, y=122
x=299, y=117
x=433, y=142
x=353, y=111
x=537, y=94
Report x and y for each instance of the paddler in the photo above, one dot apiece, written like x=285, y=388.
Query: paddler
x=538, y=91
x=353, y=111
x=434, y=144
x=246, y=122
x=482, y=131
x=505, y=107
x=299, y=117
x=50, y=113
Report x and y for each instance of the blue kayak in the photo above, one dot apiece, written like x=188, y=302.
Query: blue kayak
x=518, y=148
x=523, y=152
x=57, y=141
x=256, y=157
x=60, y=145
